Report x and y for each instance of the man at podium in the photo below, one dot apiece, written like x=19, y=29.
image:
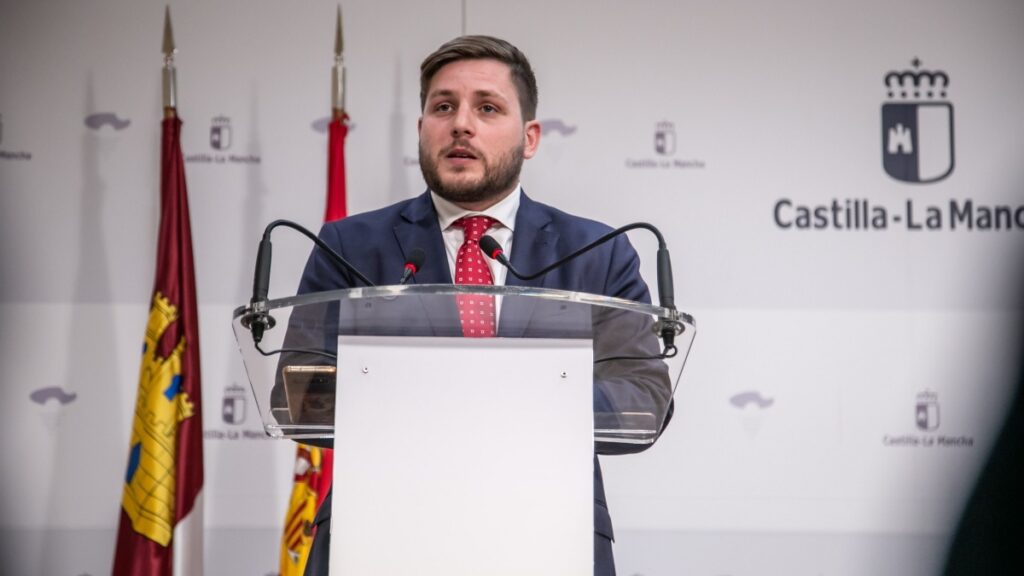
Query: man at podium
x=478, y=125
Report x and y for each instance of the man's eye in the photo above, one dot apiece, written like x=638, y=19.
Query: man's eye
x=443, y=107
x=488, y=109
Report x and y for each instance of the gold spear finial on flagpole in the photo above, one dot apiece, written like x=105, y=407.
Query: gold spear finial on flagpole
x=170, y=76
x=338, y=72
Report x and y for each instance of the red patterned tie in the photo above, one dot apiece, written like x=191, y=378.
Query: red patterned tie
x=475, y=312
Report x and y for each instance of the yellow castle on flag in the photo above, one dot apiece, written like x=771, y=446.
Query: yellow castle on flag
x=161, y=406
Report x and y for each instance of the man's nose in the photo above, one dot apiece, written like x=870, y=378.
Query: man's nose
x=462, y=124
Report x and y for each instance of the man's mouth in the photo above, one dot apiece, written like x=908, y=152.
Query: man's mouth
x=461, y=153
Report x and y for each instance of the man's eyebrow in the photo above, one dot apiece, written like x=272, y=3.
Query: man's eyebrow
x=488, y=94
x=437, y=93
x=478, y=93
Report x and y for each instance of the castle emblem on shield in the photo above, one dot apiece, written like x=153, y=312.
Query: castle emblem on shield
x=161, y=407
x=220, y=133
x=926, y=411
x=665, y=138
x=232, y=409
x=917, y=126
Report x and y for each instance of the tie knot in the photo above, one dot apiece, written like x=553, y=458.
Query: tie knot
x=475, y=226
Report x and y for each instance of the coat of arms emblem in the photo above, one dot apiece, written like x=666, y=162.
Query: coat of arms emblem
x=917, y=126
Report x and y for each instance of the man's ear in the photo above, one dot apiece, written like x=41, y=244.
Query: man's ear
x=531, y=138
x=419, y=125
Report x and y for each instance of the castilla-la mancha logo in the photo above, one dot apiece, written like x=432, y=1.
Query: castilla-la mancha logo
x=917, y=125
x=926, y=414
x=232, y=409
x=220, y=133
x=665, y=138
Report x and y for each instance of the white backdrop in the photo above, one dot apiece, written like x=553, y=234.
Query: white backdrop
x=794, y=449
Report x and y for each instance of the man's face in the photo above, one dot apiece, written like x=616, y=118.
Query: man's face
x=472, y=136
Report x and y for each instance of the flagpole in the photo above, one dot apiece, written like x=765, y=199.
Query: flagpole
x=161, y=519
x=314, y=466
x=338, y=73
x=170, y=75
x=337, y=131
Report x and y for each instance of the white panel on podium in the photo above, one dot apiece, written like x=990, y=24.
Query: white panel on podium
x=462, y=456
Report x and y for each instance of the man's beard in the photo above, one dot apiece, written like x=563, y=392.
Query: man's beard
x=496, y=179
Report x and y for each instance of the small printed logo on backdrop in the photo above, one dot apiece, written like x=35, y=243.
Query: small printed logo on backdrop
x=751, y=398
x=52, y=402
x=665, y=139
x=556, y=126
x=220, y=133
x=751, y=405
x=925, y=412
x=222, y=138
x=98, y=120
x=323, y=124
x=54, y=394
x=917, y=125
x=11, y=154
x=234, y=417
x=234, y=404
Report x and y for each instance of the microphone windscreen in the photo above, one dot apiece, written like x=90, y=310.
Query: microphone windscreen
x=490, y=247
x=416, y=258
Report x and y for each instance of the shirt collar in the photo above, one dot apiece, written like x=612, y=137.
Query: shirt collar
x=504, y=211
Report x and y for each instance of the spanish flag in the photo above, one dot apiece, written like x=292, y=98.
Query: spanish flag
x=314, y=466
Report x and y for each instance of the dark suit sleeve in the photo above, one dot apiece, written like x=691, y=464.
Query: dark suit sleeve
x=321, y=273
x=312, y=327
x=627, y=386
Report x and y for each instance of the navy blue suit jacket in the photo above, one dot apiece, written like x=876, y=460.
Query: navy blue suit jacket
x=378, y=244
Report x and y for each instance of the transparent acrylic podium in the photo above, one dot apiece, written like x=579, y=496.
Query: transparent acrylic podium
x=467, y=455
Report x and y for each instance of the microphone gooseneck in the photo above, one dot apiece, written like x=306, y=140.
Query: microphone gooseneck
x=258, y=320
x=340, y=262
x=667, y=329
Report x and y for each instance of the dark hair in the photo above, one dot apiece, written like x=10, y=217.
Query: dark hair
x=481, y=48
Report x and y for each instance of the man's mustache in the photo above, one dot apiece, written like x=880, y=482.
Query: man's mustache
x=462, y=145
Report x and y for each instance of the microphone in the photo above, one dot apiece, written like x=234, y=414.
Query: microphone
x=667, y=329
x=493, y=250
x=412, y=264
x=257, y=319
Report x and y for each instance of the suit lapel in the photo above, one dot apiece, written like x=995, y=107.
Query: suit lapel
x=418, y=228
x=534, y=243
x=534, y=246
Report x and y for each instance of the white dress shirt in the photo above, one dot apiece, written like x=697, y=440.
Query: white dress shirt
x=504, y=212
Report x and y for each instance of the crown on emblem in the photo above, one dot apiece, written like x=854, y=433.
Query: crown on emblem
x=911, y=84
x=221, y=121
x=665, y=125
x=927, y=395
